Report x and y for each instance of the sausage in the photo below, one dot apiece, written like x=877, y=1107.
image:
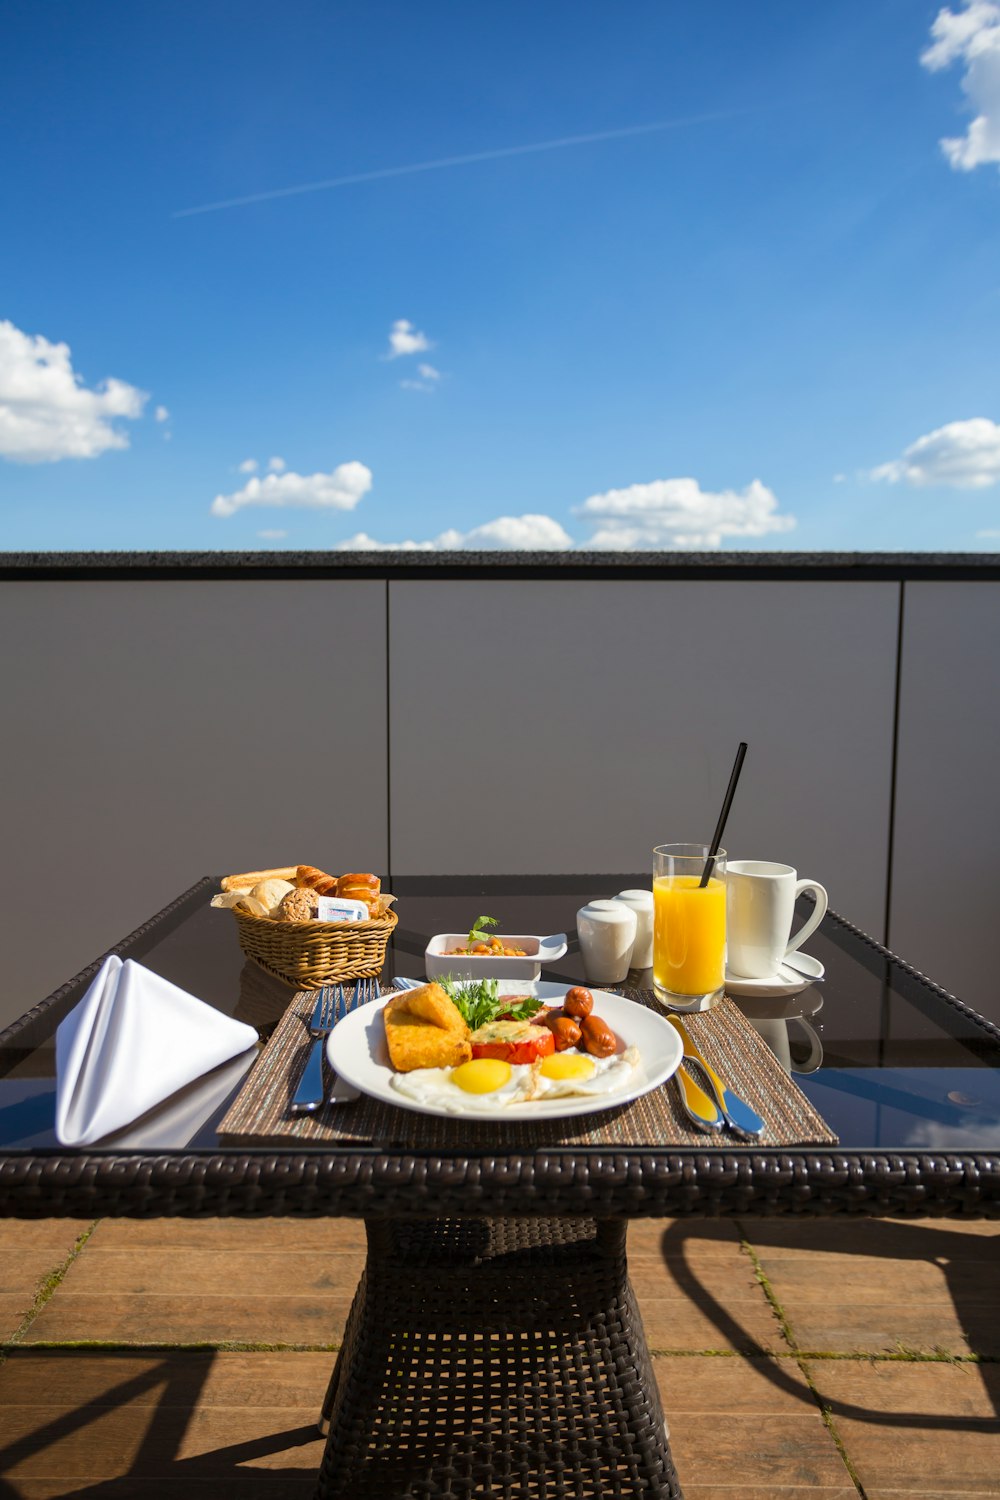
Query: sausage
x=598, y=1038
x=566, y=1032
x=579, y=1002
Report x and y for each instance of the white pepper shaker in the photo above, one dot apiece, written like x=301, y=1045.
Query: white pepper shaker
x=641, y=902
x=606, y=930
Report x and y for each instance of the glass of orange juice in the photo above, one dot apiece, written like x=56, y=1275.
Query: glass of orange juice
x=689, y=926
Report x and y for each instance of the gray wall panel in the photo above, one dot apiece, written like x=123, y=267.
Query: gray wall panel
x=946, y=889
x=572, y=725
x=156, y=732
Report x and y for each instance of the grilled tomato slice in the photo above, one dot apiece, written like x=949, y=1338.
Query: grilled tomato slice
x=513, y=1041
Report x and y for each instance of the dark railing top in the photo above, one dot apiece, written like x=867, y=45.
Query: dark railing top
x=788, y=566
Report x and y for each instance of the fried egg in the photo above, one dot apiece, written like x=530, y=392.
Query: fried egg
x=484, y=1083
x=577, y=1073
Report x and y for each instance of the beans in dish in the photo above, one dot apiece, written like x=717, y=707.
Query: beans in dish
x=480, y=945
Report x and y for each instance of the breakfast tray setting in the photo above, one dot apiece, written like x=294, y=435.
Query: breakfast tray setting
x=260, y=1113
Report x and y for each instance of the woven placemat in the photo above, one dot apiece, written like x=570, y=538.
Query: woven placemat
x=727, y=1040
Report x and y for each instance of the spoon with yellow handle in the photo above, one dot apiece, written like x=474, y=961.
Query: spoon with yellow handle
x=735, y=1111
x=696, y=1104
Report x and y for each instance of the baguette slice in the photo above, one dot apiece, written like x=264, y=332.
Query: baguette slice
x=247, y=882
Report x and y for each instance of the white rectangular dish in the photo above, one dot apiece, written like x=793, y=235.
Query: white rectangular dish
x=537, y=951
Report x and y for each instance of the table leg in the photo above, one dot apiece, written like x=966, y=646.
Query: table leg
x=495, y=1357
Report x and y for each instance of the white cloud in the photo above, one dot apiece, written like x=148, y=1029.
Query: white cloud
x=970, y=1134
x=971, y=36
x=161, y=414
x=362, y=542
x=991, y=532
x=427, y=382
x=277, y=465
x=405, y=339
x=272, y=534
x=530, y=533
x=517, y=533
x=248, y=466
x=669, y=513
x=339, y=490
x=47, y=413
x=964, y=455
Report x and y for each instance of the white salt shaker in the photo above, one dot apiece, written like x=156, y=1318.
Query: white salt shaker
x=641, y=903
x=606, y=930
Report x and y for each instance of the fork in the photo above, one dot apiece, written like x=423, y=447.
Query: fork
x=308, y=1096
x=365, y=990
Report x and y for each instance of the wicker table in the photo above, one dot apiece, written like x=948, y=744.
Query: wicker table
x=494, y=1346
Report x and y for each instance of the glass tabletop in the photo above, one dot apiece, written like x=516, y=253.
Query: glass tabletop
x=889, y=1063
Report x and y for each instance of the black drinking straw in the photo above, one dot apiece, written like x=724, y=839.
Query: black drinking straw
x=727, y=803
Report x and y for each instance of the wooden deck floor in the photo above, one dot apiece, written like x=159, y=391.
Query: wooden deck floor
x=173, y=1360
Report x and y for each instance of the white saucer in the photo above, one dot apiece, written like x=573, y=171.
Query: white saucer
x=786, y=982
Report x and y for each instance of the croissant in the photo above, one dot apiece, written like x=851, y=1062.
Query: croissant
x=316, y=880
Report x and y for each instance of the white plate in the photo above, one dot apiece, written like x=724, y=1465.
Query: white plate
x=357, y=1052
x=786, y=982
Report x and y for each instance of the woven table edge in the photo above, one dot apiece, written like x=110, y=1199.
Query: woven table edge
x=635, y=1183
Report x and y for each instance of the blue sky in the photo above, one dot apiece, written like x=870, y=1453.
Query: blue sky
x=769, y=321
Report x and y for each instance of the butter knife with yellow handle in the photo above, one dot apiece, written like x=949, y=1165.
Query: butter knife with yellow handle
x=735, y=1111
x=696, y=1104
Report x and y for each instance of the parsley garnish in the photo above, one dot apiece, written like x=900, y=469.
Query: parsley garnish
x=478, y=1002
x=478, y=929
x=524, y=1011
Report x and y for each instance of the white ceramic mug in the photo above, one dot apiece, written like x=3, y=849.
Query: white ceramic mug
x=776, y=1035
x=760, y=909
x=641, y=902
x=606, y=930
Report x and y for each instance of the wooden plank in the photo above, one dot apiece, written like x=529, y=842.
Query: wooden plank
x=915, y=1429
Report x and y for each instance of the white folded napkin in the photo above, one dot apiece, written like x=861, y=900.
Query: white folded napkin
x=133, y=1040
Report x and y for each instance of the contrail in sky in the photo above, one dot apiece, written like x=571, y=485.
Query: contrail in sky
x=454, y=161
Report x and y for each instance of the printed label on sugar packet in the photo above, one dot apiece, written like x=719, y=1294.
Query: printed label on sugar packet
x=337, y=909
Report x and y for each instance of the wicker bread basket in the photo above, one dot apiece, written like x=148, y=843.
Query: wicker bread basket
x=306, y=955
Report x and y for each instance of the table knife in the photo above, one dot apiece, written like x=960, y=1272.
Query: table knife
x=735, y=1111
x=696, y=1104
x=308, y=1096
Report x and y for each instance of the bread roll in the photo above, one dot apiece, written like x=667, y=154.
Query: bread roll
x=270, y=894
x=299, y=905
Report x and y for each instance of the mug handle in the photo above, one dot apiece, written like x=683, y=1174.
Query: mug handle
x=809, y=926
x=815, y=1059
